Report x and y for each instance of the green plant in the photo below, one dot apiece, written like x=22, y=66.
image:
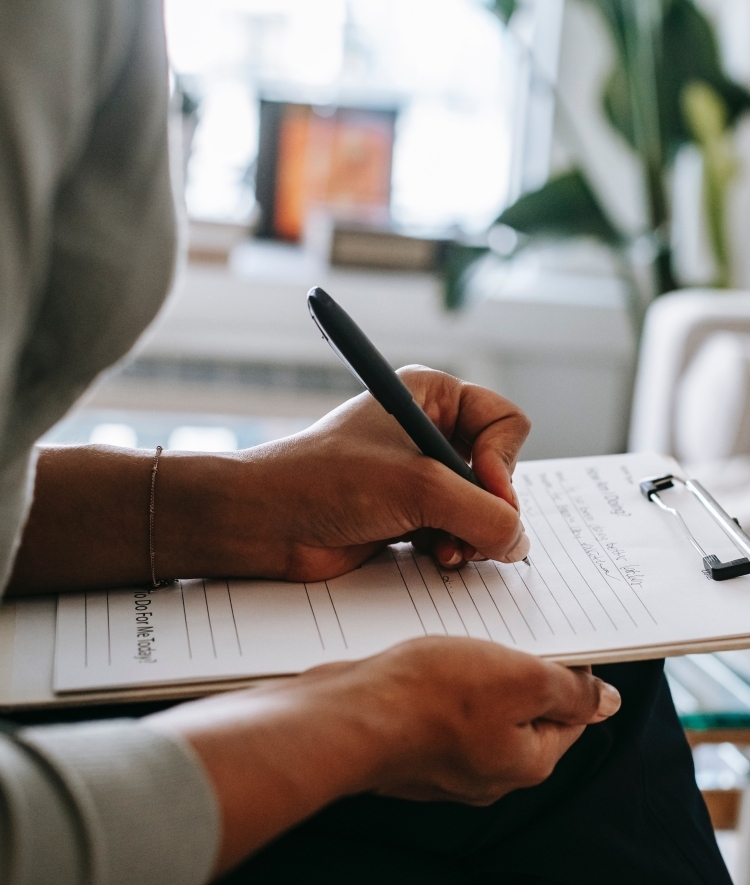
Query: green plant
x=706, y=115
x=666, y=89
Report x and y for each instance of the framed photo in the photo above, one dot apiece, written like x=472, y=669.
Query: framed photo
x=337, y=159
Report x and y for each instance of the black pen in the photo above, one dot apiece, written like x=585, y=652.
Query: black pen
x=370, y=367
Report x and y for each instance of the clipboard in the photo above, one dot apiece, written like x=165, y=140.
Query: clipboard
x=611, y=580
x=713, y=566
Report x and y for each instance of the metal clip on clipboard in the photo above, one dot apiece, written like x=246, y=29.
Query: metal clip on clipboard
x=719, y=571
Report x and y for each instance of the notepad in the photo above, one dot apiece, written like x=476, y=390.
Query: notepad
x=612, y=578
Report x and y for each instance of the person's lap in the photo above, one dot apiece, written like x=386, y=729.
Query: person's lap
x=622, y=806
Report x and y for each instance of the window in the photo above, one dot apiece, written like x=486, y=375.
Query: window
x=450, y=67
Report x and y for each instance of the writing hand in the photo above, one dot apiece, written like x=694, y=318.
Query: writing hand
x=308, y=507
x=319, y=503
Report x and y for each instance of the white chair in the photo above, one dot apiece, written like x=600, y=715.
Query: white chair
x=692, y=393
x=692, y=401
x=677, y=327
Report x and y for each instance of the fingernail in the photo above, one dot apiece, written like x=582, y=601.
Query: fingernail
x=609, y=700
x=455, y=559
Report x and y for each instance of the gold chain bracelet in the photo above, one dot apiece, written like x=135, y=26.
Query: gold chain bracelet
x=151, y=509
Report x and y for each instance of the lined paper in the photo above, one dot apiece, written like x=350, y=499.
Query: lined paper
x=609, y=571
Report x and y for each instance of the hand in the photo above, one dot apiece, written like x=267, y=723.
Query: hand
x=318, y=504
x=431, y=719
x=308, y=507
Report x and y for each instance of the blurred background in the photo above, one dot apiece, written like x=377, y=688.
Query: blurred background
x=498, y=190
x=547, y=197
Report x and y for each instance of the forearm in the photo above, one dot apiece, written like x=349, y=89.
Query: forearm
x=89, y=521
x=277, y=756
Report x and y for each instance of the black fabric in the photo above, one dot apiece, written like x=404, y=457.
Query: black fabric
x=621, y=807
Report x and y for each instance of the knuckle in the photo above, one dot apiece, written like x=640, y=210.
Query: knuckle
x=428, y=479
x=539, y=685
x=414, y=374
x=540, y=771
x=524, y=422
x=539, y=766
x=413, y=369
x=484, y=797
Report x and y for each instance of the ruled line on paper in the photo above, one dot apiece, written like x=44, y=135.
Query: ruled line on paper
x=451, y=602
x=620, y=569
x=549, y=590
x=547, y=485
x=462, y=599
x=427, y=590
x=234, y=619
x=109, y=635
x=534, y=599
x=497, y=607
x=406, y=587
x=577, y=601
x=338, y=621
x=515, y=601
x=317, y=625
x=184, y=615
x=567, y=554
x=208, y=615
x=476, y=607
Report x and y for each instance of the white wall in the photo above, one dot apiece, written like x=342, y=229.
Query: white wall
x=560, y=345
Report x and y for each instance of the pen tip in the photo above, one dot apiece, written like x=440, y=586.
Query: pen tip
x=526, y=560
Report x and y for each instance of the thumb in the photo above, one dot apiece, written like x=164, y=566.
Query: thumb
x=578, y=698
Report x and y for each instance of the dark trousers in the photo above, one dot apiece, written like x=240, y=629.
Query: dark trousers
x=621, y=808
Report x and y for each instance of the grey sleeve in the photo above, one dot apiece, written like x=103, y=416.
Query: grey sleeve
x=86, y=251
x=105, y=803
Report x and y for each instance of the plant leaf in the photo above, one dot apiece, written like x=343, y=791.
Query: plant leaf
x=564, y=207
x=688, y=52
x=504, y=9
x=456, y=261
x=691, y=53
x=613, y=14
x=705, y=114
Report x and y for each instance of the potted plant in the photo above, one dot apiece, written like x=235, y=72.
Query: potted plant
x=666, y=89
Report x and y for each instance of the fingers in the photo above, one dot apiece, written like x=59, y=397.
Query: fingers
x=448, y=550
x=493, y=430
x=487, y=524
x=484, y=719
x=495, y=445
x=475, y=419
x=575, y=697
x=571, y=699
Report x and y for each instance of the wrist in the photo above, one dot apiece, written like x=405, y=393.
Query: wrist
x=276, y=755
x=211, y=516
